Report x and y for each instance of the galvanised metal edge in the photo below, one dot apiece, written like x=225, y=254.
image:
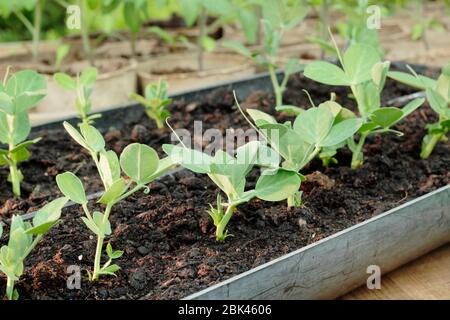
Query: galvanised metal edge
x=338, y=264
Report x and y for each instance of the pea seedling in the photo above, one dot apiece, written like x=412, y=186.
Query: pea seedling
x=278, y=18
x=229, y=174
x=438, y=96
x=18, y=94
x=314, y=130
x=83, y=86
x=364, y=72
x=155, y=102
x=23, y=238
x=139, y=162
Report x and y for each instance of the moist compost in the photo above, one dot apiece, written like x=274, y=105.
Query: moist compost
x=167, y=235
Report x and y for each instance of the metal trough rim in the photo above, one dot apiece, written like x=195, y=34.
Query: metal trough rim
x=199, y=294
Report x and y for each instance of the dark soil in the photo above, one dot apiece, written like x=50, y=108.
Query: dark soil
x=167, y=235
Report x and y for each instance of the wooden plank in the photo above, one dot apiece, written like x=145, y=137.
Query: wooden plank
x=425, y=278
x=337, y=264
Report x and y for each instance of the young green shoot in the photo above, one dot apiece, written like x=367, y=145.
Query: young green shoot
x=278, y=17
x=138, y=162
x=23, y=238
x=438, y=97
x=155, y=101
x=314, y=130
x=229, y=174
x=365, y=74
x=18, y=93
x=18, y=8
x=82, y=85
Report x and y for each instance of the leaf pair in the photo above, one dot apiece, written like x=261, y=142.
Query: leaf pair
x=23, y=237
x=229, y=172
x=357, y=63
x=155, y=102
x=438, y=96
x=327, y=125
x=83, y=86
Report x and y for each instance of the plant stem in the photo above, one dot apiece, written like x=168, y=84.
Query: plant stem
x=15, y=178
x=133, y=44
x=278, y=90
x=37, y=29
x=325, y=17
x=98, y=250
x=357, y=156
x=98, y=256
x=9, y=288
x=85, y=33
x=259, y=33
x=201, y=35
x=224, y=222
x=428, y=148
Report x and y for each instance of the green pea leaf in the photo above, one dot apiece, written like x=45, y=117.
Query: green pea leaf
x=88, y=76
x=93, y=137
x=191, y=159
x=75, y=135
x=103, y=225
x=26, y=88
x=326, y=73
x=386, y=117
x=48, y=216
x=342, y=131
x=260, y=117
x=6, y=103
x=290, y=110
x=113, y=192
x=139, y=161
x=358, y=62
x=437, y=102
x=109, y=166
x=277, y=187
x=71, y=187
x=314, y=124
x=422, y=82
x=65, y=81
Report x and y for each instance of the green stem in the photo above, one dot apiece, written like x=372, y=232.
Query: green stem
x=220, y=236
x=428, y=148
x=33, y=245
x=9, y=288
x=202, y=31
x=98, y=256
x=357, y=156
x=278, y=90
x=15, y=178
x=37, y=29
x=85, y=33
x=133, y=44
x=98, y=250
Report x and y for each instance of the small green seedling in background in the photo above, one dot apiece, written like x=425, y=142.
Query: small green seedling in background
x=229, y=174
x=315, y=130
x=198, y=11
x=138, y=162
x=61, y=53
x=18, y=93
x=363, y=71
x=423, y=24
x=169, y=39
x=438, y=96
x=135, y=12
x=19, y=9
x=278, y=18
x=23, y=238
x=82, y=85
x=155, y=102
